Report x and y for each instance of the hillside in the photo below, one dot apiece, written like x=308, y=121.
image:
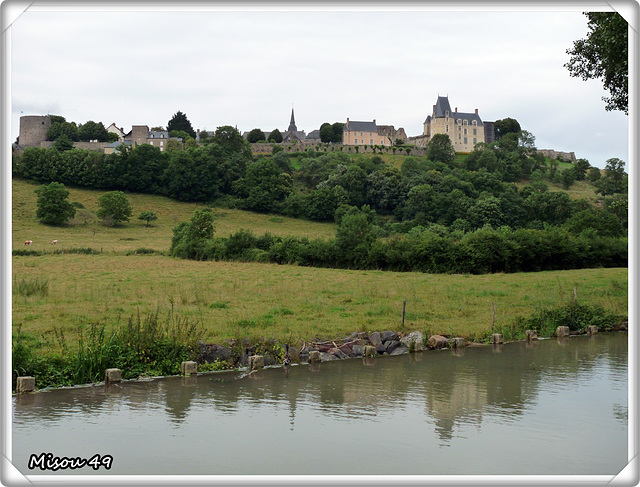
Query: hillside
x=86, y=231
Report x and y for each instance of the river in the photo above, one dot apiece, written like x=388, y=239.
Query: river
x=545, y=408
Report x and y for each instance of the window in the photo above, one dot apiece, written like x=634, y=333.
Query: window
x=447, y=129
x=475, y=122
x=371, y=142
x=466, y=122
x=459, y=136
x=356, y=141
x=161, y=143
x=465, y=131
x=360, y=134
x=475, y=131
x=465, y=140
x=475, y=141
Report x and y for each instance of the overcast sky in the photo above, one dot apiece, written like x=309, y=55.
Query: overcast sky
x=248, y=68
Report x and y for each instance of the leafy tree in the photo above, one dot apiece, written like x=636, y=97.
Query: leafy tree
x=179, y=121
x=114, y=208
x=63, y=143
x=593, y=174
x=61, y=127
x=231, y=141
x=595, y=220
x=568, y=177
x=256, y=135
x=614, y=170
x=275, y=136
x=95, y=131
x=264, y=186
x=506, y=126
x=191, y=239
x=603, y=54
x=148, y=216
x=338, y=128
x=53, y=207
x=580, y=168
x=181, y=134
x=326, y=132
x=355, y=236
x=441, y=149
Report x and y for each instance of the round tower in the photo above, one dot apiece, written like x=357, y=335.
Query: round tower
x=33, y=129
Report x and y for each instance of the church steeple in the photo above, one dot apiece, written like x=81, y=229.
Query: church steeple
x=292, y=124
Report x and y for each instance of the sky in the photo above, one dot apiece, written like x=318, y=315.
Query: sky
x=249, y=68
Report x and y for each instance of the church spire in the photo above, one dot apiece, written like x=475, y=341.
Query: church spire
x=292, y=124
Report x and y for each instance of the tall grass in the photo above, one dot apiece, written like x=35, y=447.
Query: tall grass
x=145, y=345
x=28, y=286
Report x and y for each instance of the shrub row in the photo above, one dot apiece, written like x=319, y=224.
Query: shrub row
x=483, y=251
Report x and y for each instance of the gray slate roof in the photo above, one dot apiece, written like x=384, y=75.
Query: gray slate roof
x=442, y=106
x=354, y=126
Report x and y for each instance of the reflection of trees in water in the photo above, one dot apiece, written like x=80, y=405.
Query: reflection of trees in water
x=457, y=388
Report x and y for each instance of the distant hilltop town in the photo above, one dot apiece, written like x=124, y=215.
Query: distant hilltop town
x=465, y=130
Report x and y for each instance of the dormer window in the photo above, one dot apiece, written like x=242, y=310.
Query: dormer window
x=466, y=122
x=475, y=122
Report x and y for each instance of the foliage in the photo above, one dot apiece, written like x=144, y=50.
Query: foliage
x=192, y=239
x=275, y=136
x=440, y=149
x=53, y=207
x=148, y=216
x=264, y=186
x=114, y=208
x=179, y=121
x=95, y=131
x=603, y=54
x=506, y=126
x=256, y=135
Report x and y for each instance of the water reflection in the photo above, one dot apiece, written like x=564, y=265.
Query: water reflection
x=452, y=395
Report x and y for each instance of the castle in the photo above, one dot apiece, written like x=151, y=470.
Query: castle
x=465, y=130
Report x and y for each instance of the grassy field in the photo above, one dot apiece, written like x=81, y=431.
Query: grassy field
x=67, y=292
x=86, y=231
x=252, y=300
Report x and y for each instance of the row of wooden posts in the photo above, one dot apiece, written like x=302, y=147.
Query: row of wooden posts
x=111, y=376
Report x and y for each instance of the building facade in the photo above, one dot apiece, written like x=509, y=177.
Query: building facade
x=363, y=133
x=464, y=129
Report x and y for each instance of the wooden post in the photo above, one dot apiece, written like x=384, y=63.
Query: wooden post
x=575, y=294
x=404, y=307
x=493, y=315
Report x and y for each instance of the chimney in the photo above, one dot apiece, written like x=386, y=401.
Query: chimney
x=456, y=109
x=374, y=120
x=476, y=111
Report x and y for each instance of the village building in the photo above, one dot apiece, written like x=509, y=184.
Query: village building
x=114, y=129
x=363, y=133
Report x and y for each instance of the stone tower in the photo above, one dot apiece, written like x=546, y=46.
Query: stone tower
x=33, y=130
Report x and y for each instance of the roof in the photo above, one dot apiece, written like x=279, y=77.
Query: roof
x=158, y=135
x=354, y=126
x=118, y=143
x=442, y=106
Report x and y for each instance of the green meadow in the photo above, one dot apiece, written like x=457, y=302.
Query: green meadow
x=60, y=292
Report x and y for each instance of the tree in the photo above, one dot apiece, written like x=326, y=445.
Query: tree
x=326, y=133
x=275, y=136
x=338, y=128
x=95, y=131
x=264, y=186
x=179, y=121
x=61, y=127
x=440, y=149
x=603, y=54
x=232, y=141
x=114, y=207
x=148, y=216
x=256, y=135
x=63, y=143
x=190, y=239
x=580, y=167
x=53, y=207
x=506, y=126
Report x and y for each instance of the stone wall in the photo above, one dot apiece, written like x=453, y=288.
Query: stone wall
x=554, y=154
x=267, y=148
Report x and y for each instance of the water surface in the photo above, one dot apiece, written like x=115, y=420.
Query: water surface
x=548, y=407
